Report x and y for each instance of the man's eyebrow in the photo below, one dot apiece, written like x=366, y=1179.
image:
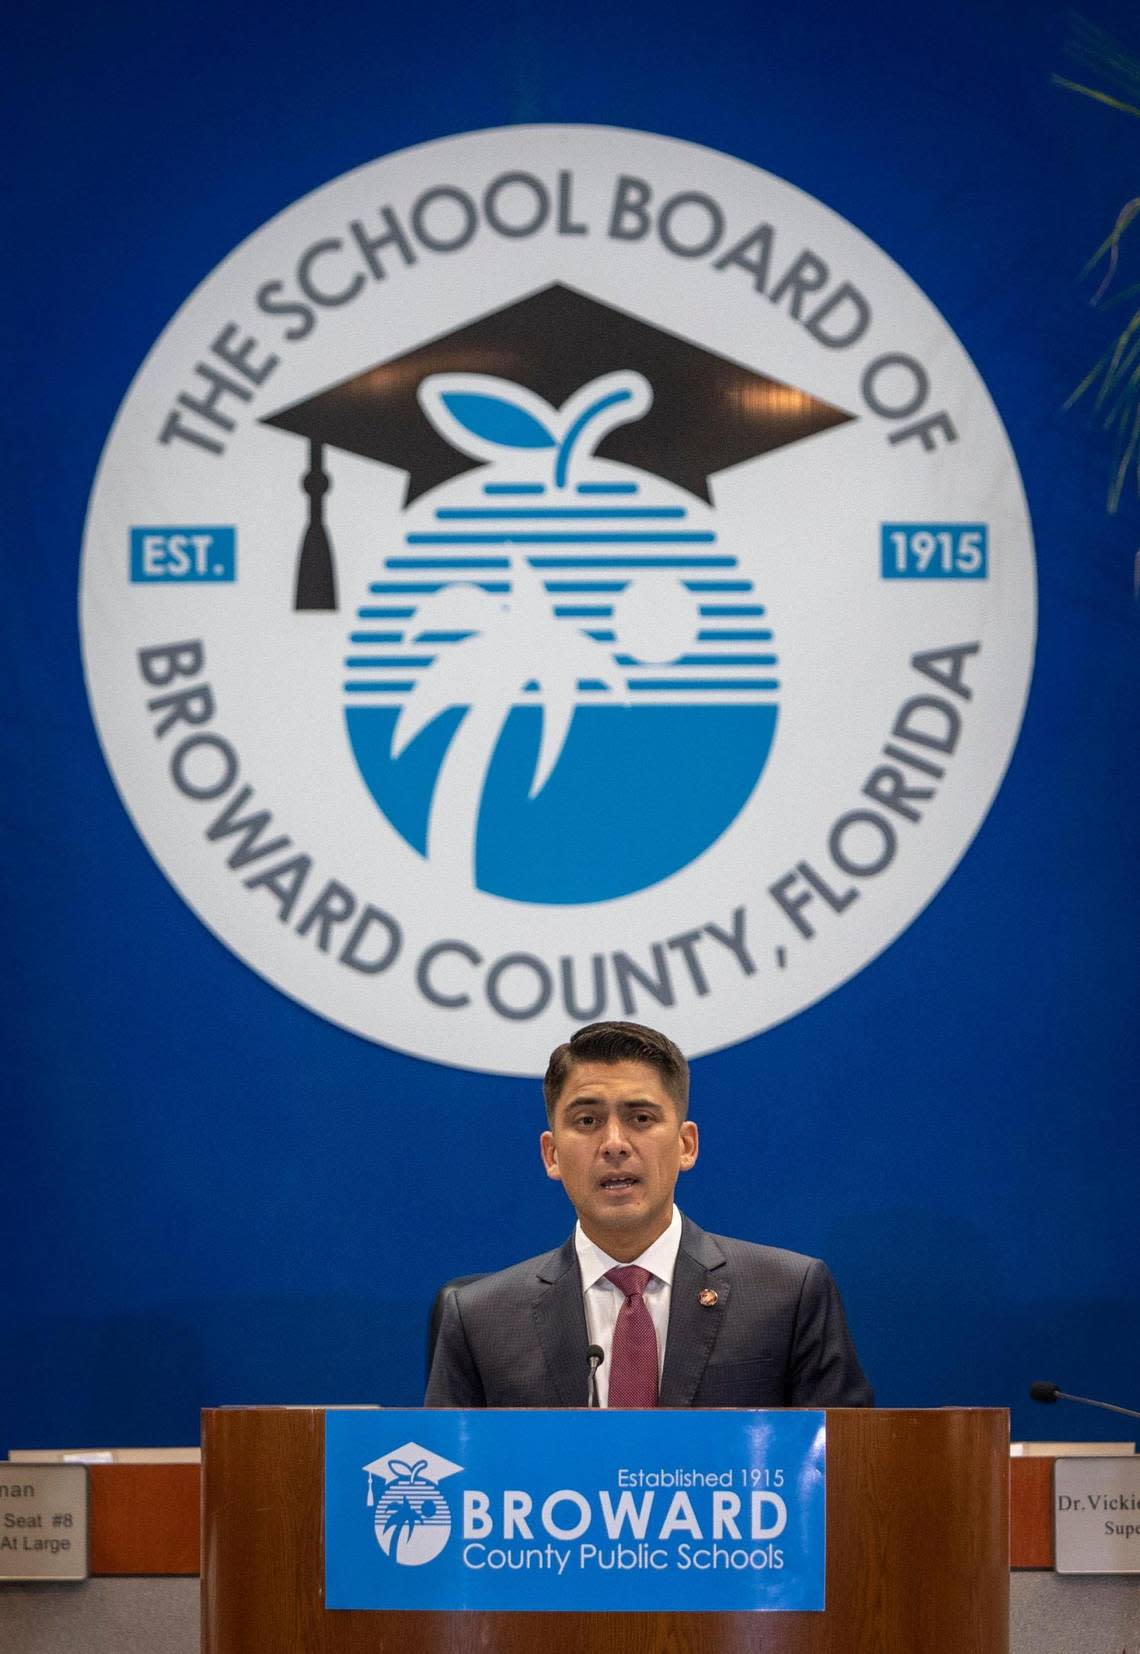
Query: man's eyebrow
x=629, y=1104
x=641, y=1105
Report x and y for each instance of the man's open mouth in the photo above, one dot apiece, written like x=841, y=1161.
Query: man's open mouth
x=618, y=1183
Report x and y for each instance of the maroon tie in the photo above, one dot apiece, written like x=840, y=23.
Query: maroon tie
x=633, y=1360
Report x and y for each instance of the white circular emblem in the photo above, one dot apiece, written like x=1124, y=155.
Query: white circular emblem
x=557, y=573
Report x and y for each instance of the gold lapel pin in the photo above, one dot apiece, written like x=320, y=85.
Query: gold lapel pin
x=707, y=1298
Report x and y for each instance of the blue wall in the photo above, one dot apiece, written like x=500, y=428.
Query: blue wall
x=209, y=1195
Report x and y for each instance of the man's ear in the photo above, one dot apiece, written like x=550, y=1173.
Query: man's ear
x=690, y=1145
x=550, y=1156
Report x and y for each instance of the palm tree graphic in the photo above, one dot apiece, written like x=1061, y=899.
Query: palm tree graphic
x=403, y=1519
x=509, y=645
x=512, y=645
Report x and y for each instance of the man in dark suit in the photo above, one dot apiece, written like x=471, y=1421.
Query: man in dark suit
x=681, y=1318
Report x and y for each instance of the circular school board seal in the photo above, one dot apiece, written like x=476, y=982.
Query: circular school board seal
x=557, y=573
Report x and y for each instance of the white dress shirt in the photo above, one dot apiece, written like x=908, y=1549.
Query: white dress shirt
x=603, y=1300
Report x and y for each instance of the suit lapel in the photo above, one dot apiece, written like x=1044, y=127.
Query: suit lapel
x=560, y=1323
x=693, y=1326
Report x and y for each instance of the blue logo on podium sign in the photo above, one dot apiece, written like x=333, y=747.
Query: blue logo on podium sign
x=413, y=1520
x=571, y=1511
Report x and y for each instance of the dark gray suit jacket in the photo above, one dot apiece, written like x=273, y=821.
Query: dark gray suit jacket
x=775, y=1337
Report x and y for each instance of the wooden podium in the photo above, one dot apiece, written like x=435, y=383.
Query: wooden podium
x=917, y=1553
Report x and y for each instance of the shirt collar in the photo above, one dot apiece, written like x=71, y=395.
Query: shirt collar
x=660, y=1259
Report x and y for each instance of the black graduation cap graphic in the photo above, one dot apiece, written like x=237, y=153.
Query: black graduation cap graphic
x=707, y=412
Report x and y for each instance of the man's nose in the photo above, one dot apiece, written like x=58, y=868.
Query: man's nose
x=615, y=1140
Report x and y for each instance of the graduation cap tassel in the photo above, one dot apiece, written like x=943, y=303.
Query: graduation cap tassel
x=371, y=1500
x=316, y=579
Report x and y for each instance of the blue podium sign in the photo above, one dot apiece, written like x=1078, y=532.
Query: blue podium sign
x=575, y=1510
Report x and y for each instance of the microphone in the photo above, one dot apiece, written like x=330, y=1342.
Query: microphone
x=595, y=1355
x=1042, y=1390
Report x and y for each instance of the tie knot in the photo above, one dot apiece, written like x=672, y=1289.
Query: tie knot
x=630, y=1279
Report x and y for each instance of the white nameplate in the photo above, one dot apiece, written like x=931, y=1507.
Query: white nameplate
x=43, y=1521
x=1096, y=1516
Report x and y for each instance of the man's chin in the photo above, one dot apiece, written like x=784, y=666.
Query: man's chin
x=617, y=1217
x=620, y=1216
x=624, y=1206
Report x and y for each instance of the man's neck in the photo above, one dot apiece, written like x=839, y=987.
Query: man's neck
x=628, y=1244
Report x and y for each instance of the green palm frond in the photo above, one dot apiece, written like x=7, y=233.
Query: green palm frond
x=1095, y=50
x=1098, y=97
x=1115, y=377
x=1110, y=247
x=1122, y=297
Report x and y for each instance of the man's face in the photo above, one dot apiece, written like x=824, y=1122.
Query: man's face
x=617, y=1144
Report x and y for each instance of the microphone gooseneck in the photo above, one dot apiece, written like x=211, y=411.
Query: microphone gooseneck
x=595, y=1355
x=1042, y=1390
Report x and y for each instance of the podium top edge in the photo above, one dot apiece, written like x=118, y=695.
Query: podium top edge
x=380, y=1407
